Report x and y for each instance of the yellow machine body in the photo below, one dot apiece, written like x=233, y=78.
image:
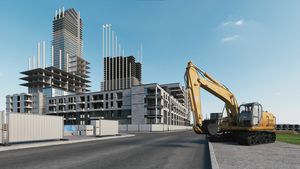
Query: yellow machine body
x=247, y=122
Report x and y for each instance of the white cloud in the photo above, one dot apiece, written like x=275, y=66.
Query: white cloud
x=236, y=23
x=239, y=22
x=230, y=38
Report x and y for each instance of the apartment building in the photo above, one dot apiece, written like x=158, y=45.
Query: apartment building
x=142, y=104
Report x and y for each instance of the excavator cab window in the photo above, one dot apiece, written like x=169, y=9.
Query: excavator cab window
x=245, y=117
x=257, y=112
x=250, y=114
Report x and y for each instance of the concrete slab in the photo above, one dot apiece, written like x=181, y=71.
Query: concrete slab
x=71, y=140
x=277, y=155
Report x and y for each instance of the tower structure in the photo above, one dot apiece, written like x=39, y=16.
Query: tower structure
x=119, y=71
x=67, y=41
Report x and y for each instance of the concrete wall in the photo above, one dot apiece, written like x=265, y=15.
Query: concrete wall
x=137, y=105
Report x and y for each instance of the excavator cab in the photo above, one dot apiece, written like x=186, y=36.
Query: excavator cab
x=250, y=114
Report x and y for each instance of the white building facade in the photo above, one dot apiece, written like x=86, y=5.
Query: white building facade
x=142, y=104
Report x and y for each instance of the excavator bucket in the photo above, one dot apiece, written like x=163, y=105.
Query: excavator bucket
x=210, y=127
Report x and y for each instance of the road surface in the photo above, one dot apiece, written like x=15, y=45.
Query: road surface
x=176, y=150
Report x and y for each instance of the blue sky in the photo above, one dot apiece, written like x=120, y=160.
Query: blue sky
x=250, y=46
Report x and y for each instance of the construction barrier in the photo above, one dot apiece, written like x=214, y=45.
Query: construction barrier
x=151, y=127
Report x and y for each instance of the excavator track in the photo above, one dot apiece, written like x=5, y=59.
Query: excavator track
x=245, y=137
x=255, y=137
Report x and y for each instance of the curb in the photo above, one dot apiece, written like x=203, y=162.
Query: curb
x=35, y=145
x=213, y=159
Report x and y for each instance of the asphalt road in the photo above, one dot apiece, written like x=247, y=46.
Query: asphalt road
x=176, y=150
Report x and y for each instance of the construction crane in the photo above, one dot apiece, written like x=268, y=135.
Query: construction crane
x=248, y=124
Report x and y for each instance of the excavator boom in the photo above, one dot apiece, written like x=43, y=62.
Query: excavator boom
x=195, y=79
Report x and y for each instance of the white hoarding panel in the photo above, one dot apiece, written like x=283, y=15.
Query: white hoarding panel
x=105, y=127
x=29, y=127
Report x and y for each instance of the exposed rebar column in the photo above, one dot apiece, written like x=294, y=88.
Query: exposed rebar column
x=109, y=40
x=112, y=79
x=116, y=73
x=116, y=43
x=141, y=53
x=55, y=15
x=104, y=78
x=29, y=64
x=113, y=44
x=119, y=50
x=59, y=11
x=123, y=78
x=119, y=72
x=106, y=56
x=38, y=55
x=33, y=62
x=44, y=54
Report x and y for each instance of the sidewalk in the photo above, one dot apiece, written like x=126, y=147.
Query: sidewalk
x=276, y=155
x=69, y=140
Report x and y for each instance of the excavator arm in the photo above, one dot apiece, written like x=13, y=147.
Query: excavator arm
x=196, y=79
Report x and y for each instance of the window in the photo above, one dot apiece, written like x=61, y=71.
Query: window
x=111, y=104
x=119, y=104
x=119, y=95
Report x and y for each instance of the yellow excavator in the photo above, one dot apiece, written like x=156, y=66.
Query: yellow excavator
x=247, y=124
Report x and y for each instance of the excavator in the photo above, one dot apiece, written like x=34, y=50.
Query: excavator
x=247, y=123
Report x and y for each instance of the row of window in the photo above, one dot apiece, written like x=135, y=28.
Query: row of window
x=118, y=104
x=87, y=98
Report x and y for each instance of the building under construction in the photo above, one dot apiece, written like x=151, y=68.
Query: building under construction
x=121, y=73
x=67, y=73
